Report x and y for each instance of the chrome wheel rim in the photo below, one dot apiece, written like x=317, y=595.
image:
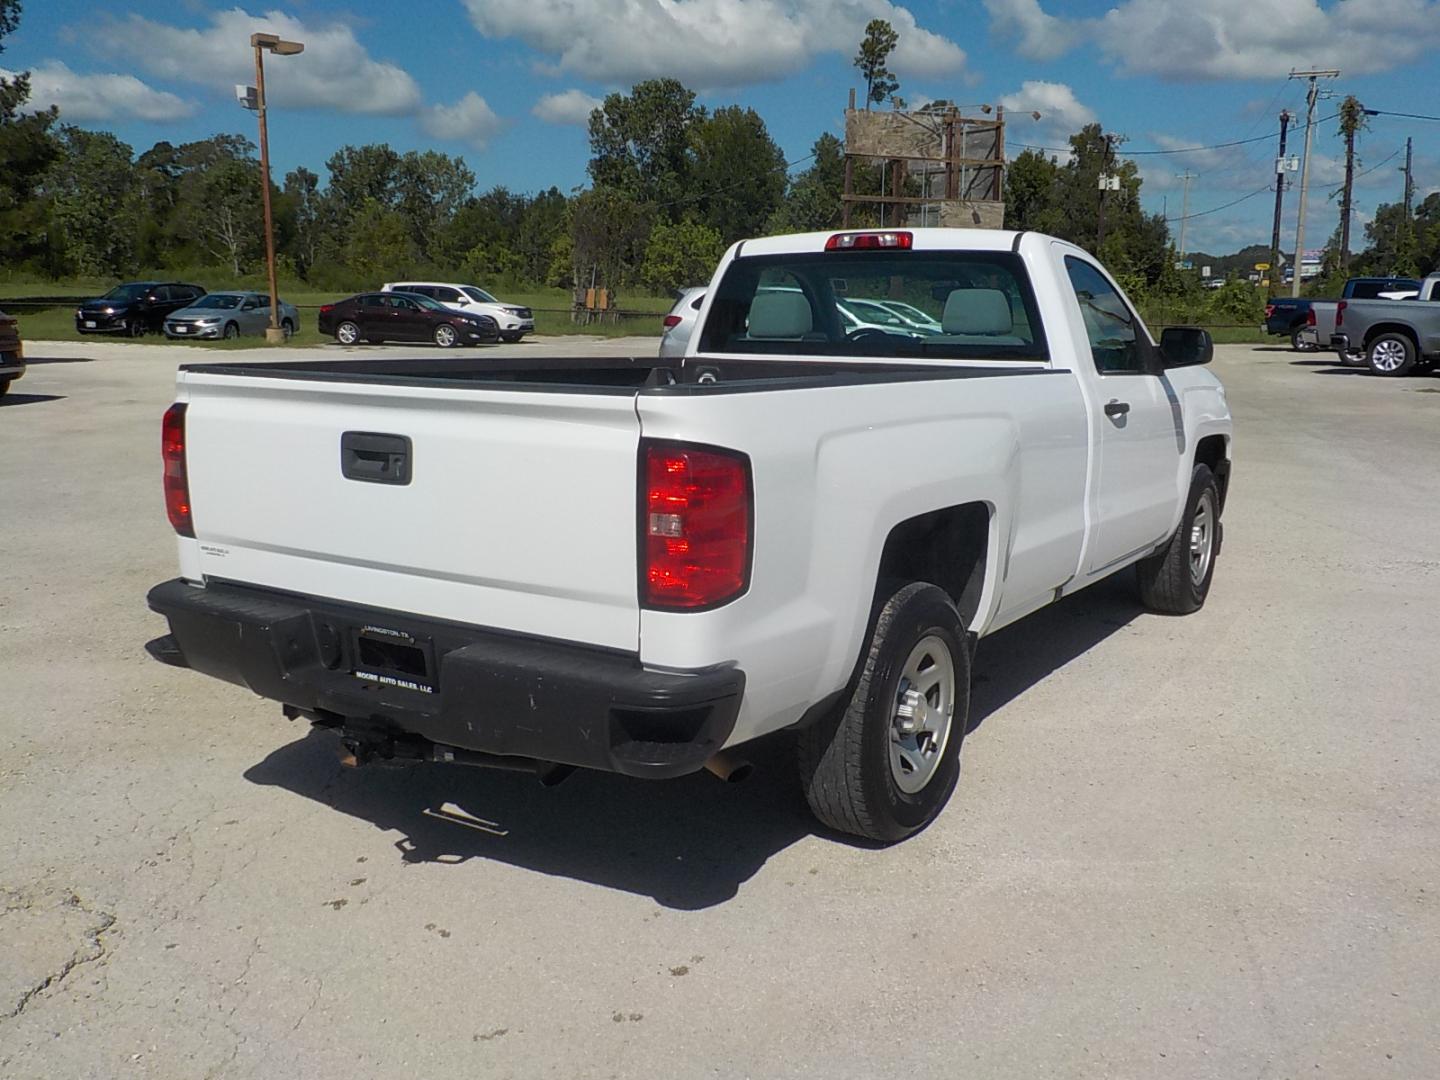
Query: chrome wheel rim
x=445, y=336
x=1202, y=539
x=232, y=331
x=347, y=334
x=1387, y=355
x=921, y=714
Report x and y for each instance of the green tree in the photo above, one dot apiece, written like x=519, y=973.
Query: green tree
x=429, y=188
x=221, y=208
x=1352, y=121
x=27, y=150
x=813, y=199
x=679, y=255
x=309, y=214
x=875, y=49
x=609, y=229
x=378, y=245
x=89, y=188
x=738, y=172
x=1031, y=192
x=640, y=142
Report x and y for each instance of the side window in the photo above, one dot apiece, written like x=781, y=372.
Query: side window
x=1115, y=343
x=163, y=293
x=401, y=303
x=446, y=295
x=373, y=301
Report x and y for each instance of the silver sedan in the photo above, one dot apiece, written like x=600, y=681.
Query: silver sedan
x=228, y=315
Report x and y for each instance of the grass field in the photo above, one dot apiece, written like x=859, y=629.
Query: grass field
x=551, y=307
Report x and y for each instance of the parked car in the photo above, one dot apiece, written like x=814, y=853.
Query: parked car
x=135, y=308
x=1396, y=337
x=229, y=315
x=680, y=321
x=371, y=318
x=1289, y=316
x=439, y=561
x=12, y=352
x=514, y=321
x=920, y=320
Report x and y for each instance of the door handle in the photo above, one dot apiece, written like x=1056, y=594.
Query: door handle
x=1116, y=408
x=374, y=457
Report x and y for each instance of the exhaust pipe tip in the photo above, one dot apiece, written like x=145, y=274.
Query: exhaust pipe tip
x=729, y=768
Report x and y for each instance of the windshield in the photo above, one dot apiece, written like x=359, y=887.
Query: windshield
x=967, y=305
x=126, y=292
x=219, y=301
x=479, y=294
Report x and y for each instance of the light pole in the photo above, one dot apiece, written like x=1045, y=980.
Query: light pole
x=261, y=44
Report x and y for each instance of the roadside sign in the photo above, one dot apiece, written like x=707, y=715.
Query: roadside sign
x=1262, y=266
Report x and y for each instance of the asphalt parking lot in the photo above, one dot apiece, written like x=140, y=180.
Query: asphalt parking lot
x=1199, y=847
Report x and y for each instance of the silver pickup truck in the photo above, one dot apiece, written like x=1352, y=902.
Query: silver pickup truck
x=1395, y=337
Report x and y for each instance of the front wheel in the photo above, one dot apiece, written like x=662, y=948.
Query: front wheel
x=884, y=764
x=4, y=386
x=232, y=331
x=1391, y=354
x=288, y=329
x=135, y=328
x=1176, y=579
x=445, y=336
x=347, y=333
x=511, y=339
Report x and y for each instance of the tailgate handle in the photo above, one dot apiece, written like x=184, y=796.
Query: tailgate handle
x=375, y=458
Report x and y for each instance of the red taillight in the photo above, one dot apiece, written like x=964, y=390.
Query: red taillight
x=695, y=525
x=672, y=321
x=1340, y=313
x=325, y=309
x=1269, y=310
x=870, y=241
x=177, y=483
x=1310, y=317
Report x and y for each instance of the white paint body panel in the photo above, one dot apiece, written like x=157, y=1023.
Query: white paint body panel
x=523, y=512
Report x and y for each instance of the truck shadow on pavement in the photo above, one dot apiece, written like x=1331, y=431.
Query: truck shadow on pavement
x=688, y=843
x=11, y=399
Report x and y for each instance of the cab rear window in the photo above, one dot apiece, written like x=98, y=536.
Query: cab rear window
x=910, y=304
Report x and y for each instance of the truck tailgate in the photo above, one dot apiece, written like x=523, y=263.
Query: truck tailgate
x=519, y=510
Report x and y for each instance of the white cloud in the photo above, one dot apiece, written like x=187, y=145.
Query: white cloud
x=85, y=98
x=1038, y=35
x=566, y=107
x=1061, y=114
x=708, y=43
x=1233, y=39
x=334, y=72
x=470, y=120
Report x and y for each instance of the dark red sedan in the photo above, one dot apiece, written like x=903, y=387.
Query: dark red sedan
x=371, y=318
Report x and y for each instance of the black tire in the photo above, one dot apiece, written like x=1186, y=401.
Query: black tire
x=347, y=333
x=1299, y=345
x=446, y=336
x=1385, y=350
x=511, y=339
x=845, y=758
x=231, y=331
x=288, y=328
x=1168, y=579
x=4, y=386
x=135, y=328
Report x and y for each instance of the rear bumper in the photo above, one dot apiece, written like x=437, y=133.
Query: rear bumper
x=482, y=690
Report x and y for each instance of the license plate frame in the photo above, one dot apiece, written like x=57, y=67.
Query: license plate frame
x=386, y=656
x=89, y=324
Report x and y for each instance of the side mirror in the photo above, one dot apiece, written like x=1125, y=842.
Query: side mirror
x=1185, y=346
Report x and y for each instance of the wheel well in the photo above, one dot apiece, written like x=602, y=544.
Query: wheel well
x=1393, y=328
x=1211, y=451
x=945, y=547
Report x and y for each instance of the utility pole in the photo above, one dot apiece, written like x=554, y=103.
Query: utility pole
x=1352, y=119
x=1409, y=176
x=1280, y=171
x=1107, y=183
x=1186, y=176
x=1312, y=96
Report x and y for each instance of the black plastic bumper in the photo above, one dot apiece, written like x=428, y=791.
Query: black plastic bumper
x=466, y=687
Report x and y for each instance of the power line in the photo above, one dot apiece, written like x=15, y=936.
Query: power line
x=1188, y=149
x=1217, y=209
x=1407, y=115
x=785, y=168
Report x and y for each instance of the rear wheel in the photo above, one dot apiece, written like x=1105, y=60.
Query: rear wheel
x=445, y=336
x=883, y=765
x=1298, y=342
x=1176, y=579
x=1391, y=354
x=347, y=333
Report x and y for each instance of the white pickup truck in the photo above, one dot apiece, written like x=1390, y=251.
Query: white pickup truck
x=634, y=565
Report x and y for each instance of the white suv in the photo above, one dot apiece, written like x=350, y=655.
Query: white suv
x=514, y=321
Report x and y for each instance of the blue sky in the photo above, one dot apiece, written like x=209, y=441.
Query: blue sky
x=507, y=83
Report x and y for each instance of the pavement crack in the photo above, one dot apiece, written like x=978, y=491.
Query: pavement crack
x=94, y=949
